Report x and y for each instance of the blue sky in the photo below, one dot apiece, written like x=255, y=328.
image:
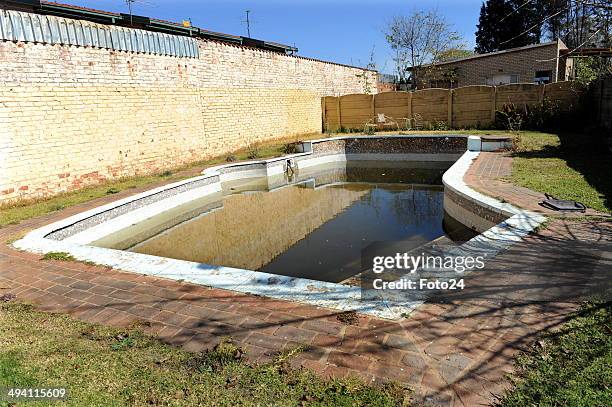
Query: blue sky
x=342, y=31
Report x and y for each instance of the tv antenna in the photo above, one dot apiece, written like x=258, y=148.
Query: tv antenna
x=129, y=4
x=248, y=23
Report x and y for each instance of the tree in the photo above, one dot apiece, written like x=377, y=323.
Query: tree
x=582, y=24
x=507, y=24
x=454, y=53
x=418, y=40
x=576, y=22
x=366, y=75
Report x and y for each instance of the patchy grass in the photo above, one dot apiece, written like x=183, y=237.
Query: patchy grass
x=17, y=236
x=61, y=256
x=15, y=213
x=26, y=209
x=571, y=367
x=102, y=366
x=567, y=166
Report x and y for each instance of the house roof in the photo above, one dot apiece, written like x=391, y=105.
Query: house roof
x=505, y=51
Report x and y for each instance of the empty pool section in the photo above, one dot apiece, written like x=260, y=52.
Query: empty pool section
x=295, y=227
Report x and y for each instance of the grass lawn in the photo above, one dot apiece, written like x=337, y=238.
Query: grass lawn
x=567, y=166
x=571, y=367
x=102, y=366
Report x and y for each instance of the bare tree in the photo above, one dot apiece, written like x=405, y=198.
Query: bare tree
x=419, y=39
x=367, y=76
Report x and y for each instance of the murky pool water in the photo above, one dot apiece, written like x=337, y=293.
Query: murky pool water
x=314, y=226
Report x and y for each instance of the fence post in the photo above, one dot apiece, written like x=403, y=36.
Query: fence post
x=541, y=94
x=493, y=103
x=339, y=114
x=409, y=104
x=450, y=108
x=373, y=107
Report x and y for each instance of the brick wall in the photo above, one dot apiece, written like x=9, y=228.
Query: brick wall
x=522, y=63
x=72, y=116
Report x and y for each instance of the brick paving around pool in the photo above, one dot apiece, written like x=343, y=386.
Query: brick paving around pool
x=450, y=354
x=488, y=173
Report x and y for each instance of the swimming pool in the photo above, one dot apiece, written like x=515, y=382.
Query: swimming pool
x=293, y=227
x=314, y=226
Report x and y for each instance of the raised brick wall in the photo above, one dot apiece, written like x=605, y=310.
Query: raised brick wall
x=72, y=116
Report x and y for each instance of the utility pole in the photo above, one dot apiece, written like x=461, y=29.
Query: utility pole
x=129, y=4
x=248, y=23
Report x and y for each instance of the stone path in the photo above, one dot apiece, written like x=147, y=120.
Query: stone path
x=451, y=354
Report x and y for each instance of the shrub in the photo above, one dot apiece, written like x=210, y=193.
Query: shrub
x=369, y=130
x=510, y=117
x=440, y=125
x=290, y=148
x=547, y=115
x=253, y=151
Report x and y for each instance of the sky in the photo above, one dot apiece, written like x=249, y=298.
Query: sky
x=343, y=31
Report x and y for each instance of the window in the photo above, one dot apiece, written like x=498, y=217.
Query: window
x=543, y=76
x=502, y=79
x=442, y=83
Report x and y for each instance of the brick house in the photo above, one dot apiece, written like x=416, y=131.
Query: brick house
x=539, y=63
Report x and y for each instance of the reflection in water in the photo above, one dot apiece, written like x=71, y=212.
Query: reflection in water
x=332, y=252
x=303, y=230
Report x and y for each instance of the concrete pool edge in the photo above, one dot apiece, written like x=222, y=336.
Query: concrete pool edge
x=317, y=293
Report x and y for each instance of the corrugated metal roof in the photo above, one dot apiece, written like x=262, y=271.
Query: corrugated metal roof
x=46, y=29
x=138, y=22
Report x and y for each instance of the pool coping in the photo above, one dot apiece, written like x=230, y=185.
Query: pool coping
x=328, y=295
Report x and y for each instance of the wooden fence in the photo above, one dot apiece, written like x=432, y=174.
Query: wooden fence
x=465, y=107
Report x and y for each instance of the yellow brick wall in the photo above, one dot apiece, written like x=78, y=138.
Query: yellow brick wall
x=72, y=116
